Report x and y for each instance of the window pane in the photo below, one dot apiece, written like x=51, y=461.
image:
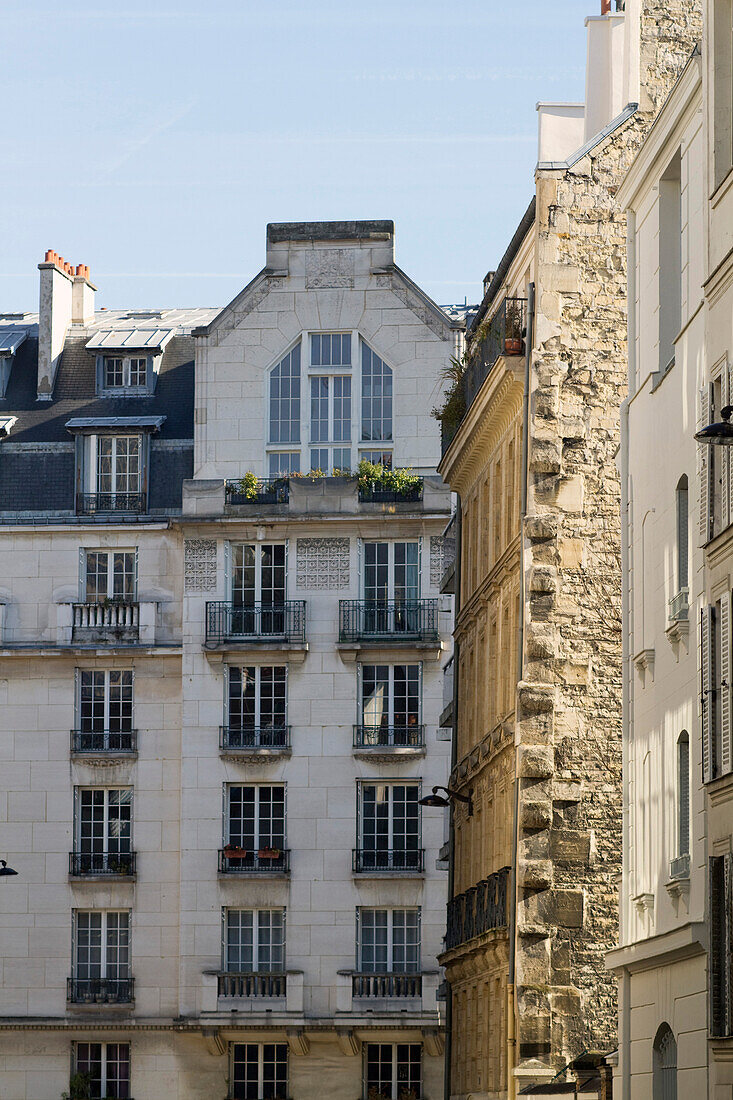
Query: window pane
x=283, y=463
x=341, y=410
x=376, y=396
x=319, y=410
x=375, y=692
x=285, y=399
x=242, y=698
x=97, y=576
x=123, y=576
x=138, y=372
x=113, y=372
x=240, y=941
x=118, y=1070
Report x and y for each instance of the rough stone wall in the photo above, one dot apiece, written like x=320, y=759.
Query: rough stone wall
x=570, y=700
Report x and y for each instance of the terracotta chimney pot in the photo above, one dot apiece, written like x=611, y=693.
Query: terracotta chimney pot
x=605, y=7
x=49, y=256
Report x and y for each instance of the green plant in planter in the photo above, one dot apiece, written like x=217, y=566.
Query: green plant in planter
x=408, y=1094
x=374, y=475
x=80, y=1087
x=376, y=1094
x=249, y=485
x=453, y=409
x=513, y=329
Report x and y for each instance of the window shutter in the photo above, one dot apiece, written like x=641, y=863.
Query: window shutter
x=705, y=468
x=706, y=697
x=717, y=941
x=358, y=938
x=82, y=574
x=725, y=460
x=145, y=469
x=227, y=570
x=419, y=568
x=359, y=566
x=724, y=685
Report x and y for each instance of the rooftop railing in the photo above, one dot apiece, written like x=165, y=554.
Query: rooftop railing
x=478, y=910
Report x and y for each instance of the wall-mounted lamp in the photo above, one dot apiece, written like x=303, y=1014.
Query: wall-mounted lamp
x=5, y=870
x=720, y=434
x=436, y=800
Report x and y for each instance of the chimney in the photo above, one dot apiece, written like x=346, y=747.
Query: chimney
x=54, y=317
x=604, y=71
x=82, y=297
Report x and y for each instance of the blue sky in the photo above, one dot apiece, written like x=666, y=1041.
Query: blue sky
x=154, y=140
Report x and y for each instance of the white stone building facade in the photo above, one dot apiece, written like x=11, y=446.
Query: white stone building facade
x=226, y=884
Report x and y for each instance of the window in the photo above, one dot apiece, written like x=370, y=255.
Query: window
x=118, y=463
x=111, y=472
x=107, y=1066
x=331, y=349
x=682, y=534
x=379, y=458
x=389, y=827
x=670, y=261
x=717, y=740
x=125, y=373
x=283, y=463
x=104, y=702
x=257, y=697
x=254, y=941
x=721, y=937
x=390, y=697
x=256, y=817
x=683, y=795
x=110, y=575
x=714, y=464
x=393, y=1071
x=102, y=956
x=388, y=941
x=391, y=571
x=103, y=830
x=376, y=397
x=330, y=423
x=258, y=574
x=285, y=399
x=259, y=1071
x=664, y=1065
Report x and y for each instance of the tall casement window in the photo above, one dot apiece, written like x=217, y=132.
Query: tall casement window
x=393, y=1071
x=683, y=537
x=721, y=939
x=715, y=702
x=670, y=261
x=103, y=843
x=722, y=45
x=101, y=956
x=257, y=706
x=109, y=575
x=714, y=464
x=664, y=1065
x=321, y=408
x=104, y=710
x=388, y=941
x=391, y=584
x=258, y=574
x=259, y=1071
x=112, y=466
x=107, y=1068
x=389, y=827
x=681, y=865
x=254, y=941
x=390, y=704
x=255, y=827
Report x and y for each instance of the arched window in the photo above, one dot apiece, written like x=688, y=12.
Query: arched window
x=664, y=1065
x=683, y=794
x=682, y=536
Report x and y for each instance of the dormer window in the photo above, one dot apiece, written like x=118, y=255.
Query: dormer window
x=112, y=462
x=125, y=373
x=129, y=359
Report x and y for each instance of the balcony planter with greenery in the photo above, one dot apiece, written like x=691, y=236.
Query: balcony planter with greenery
x=231, y=851
x=513, y=341
x=377, y=481
x=269, y=853
x=80, y=1087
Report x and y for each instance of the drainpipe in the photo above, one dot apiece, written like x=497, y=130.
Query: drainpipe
x=511, y=986
x=453, y=762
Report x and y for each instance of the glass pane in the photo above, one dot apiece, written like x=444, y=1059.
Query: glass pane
x=285, y=399
x=243, y=574
x=123, y=576
x=283, y=463
x=97, y=576
x=240, y=941
x=341, y=410
x=319, y=410
x=375, y=691
x=376, y=396
x=242, y=698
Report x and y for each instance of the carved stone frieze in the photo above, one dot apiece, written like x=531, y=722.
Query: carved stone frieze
x=199, y=565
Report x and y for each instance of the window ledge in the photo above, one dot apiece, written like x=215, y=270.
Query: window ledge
x=644, y=661
x=676, y=887
x=678, y=630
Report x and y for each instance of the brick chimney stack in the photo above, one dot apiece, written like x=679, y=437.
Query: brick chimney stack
x=82, y=297
x=66, y=297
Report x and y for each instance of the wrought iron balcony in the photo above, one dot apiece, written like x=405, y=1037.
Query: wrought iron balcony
x=679, y=606
x=386, y=985
x=274, y=490
x=104, y=742
x=386, y=861
x=91, y=503
x=373, y=494
x=254, y=737
x=395, y=620
x=389, y=737
x=481, y=909
x=102, y=863
x=102, y=991
x=254, y=984
x=680, y=867
x=262, y=861
x=503, y=335
x=111, y=620
x=282, y=622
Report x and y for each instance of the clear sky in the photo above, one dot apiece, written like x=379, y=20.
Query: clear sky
x=154, y=139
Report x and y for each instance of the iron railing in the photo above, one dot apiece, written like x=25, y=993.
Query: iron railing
x=274, y=490
x=386, y=985
x=504, y=335
x=364, y=619
x=679, y=867
x=111, y=617
x=265, y=861
x=89, y=503
x=100, y=990
x=387, y=860
x=254, y=984
x=679, y=606
x=478, y=910
x=374, y=494
x=104, y=741
x=259, y=622
x=391, y=737
x=102, y=863
x=255, y=737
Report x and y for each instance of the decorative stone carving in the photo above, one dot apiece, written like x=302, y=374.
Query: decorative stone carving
x=329, y=267
x=438, y=558
x=199, y=565
x=323, y=563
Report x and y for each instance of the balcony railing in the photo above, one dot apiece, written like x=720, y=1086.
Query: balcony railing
x=389, y=737
x=114, y=619
x=284, y=622
x=679, y=867
x=679, y=606
x=101, y=863
x=361, y=620
x=90, y=503
x=263, y=861
x=100, y=990
x=373, y=494
x=478, y=910
x=256, y=737
x=386, y=985
x=104, y=741
x=396, y=861
x=269, y=491
x=252, y=984
x=504, y=335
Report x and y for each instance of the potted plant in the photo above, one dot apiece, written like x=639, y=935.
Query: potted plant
x=268, y=853
x=233, y=851
x=513, y=329
x=80, y=1087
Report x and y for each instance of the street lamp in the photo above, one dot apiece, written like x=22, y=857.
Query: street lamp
x=5, y=870
x=436, y=800
x=720, y=434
